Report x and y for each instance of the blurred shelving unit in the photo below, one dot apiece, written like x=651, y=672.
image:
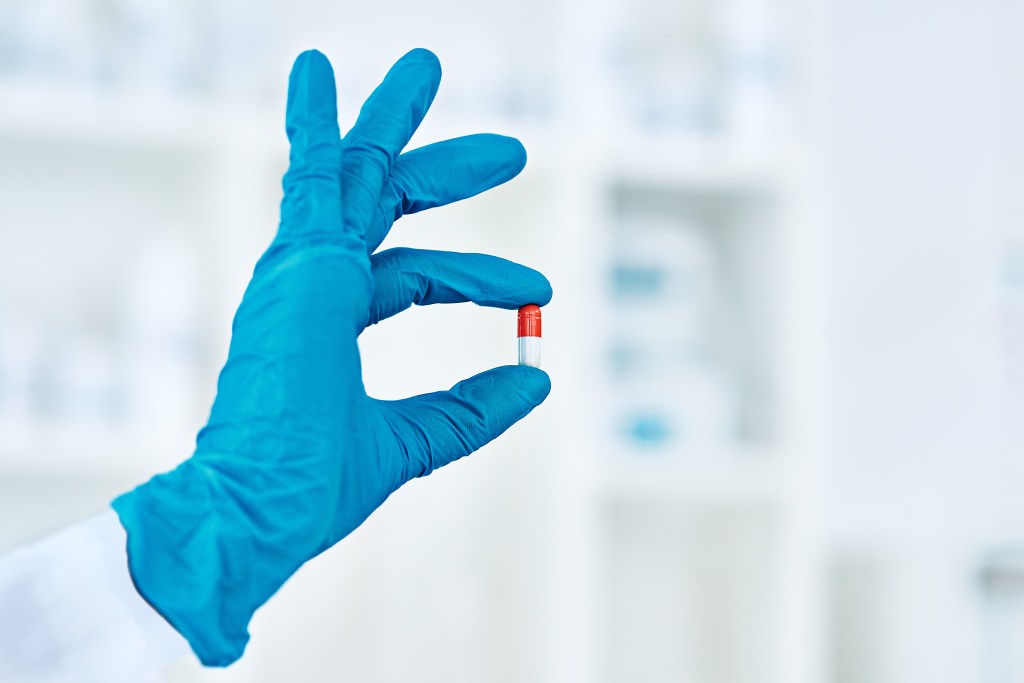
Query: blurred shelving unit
x=689, y=483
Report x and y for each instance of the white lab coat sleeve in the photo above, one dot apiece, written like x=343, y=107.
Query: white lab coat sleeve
x=70, y=612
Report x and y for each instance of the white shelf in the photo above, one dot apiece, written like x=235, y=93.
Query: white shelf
x=83, y=117
x=58, y=451
x=696, y=163
x=741, y=474
x=702, y=164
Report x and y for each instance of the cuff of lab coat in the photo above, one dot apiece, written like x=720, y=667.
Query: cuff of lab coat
x=69, y=612
x=166, y=643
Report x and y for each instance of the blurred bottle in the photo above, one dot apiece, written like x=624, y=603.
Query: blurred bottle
x=239, y=52
x=84, y=396
x=150, y=46
x=661, y=59
x=46, y=40
x=1003, y=584
x=752, y=63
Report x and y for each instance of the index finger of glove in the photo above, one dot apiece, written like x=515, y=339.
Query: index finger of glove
x=403, y=277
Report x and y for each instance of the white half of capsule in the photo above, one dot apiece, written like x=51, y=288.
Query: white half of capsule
x=529, y=351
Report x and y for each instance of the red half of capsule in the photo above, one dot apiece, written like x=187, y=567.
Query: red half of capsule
x=529, y=321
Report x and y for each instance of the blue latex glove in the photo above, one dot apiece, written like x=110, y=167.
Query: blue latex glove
x=296, y=455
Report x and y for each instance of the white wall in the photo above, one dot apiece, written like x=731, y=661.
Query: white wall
x=923, y=473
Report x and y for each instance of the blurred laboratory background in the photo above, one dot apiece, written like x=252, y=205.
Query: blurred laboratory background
x=786, y=239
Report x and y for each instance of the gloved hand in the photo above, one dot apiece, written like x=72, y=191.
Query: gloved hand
x=296, y=455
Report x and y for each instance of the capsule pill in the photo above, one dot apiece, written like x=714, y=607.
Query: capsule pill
x=529, y=335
